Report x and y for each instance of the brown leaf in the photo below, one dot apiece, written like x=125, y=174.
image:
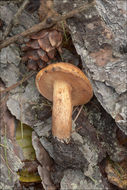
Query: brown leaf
x=117, y=173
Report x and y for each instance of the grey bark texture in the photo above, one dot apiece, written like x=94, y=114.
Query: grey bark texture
x=9, y=165
x=99, y=36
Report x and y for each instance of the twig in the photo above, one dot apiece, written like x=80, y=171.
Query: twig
x=14, y=21
x=22, y=130
x=18, y=83
x=46, y=24
x=74, y=110
x=2, y=145
x=78, y=113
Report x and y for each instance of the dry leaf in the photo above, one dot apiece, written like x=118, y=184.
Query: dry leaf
x=117, y=173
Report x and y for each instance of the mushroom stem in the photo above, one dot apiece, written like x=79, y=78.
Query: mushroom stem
x=62, y=110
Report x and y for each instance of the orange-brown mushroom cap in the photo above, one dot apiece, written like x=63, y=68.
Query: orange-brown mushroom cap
x=81, y=87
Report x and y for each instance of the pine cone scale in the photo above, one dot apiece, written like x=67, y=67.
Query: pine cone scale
x=33, y=55
x=31, y=65
x=43, y=55
x=41, y=64
x=51, y=54
x=33, y=44
x=45, y=44
x=55, y=38
x=41, y=48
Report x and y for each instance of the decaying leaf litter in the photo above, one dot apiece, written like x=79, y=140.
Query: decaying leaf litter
x=83, y=159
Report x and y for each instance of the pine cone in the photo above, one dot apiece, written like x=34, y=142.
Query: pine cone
x=42, y=48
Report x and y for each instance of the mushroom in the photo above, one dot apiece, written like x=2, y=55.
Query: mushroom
x=67, y=86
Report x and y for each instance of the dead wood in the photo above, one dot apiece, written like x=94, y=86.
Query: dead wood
x=47, y=23
x=18, y=83
x=15, y=19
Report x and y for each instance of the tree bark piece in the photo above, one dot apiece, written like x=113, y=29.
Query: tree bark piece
x=15, y=19
x=43, y=25
x=99, y=36
x=45, y=163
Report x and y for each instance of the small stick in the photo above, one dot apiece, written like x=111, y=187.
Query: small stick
x=45, y=24
x=18, y=83
x=74, y=110
x=78, y=113
x=14, y=21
